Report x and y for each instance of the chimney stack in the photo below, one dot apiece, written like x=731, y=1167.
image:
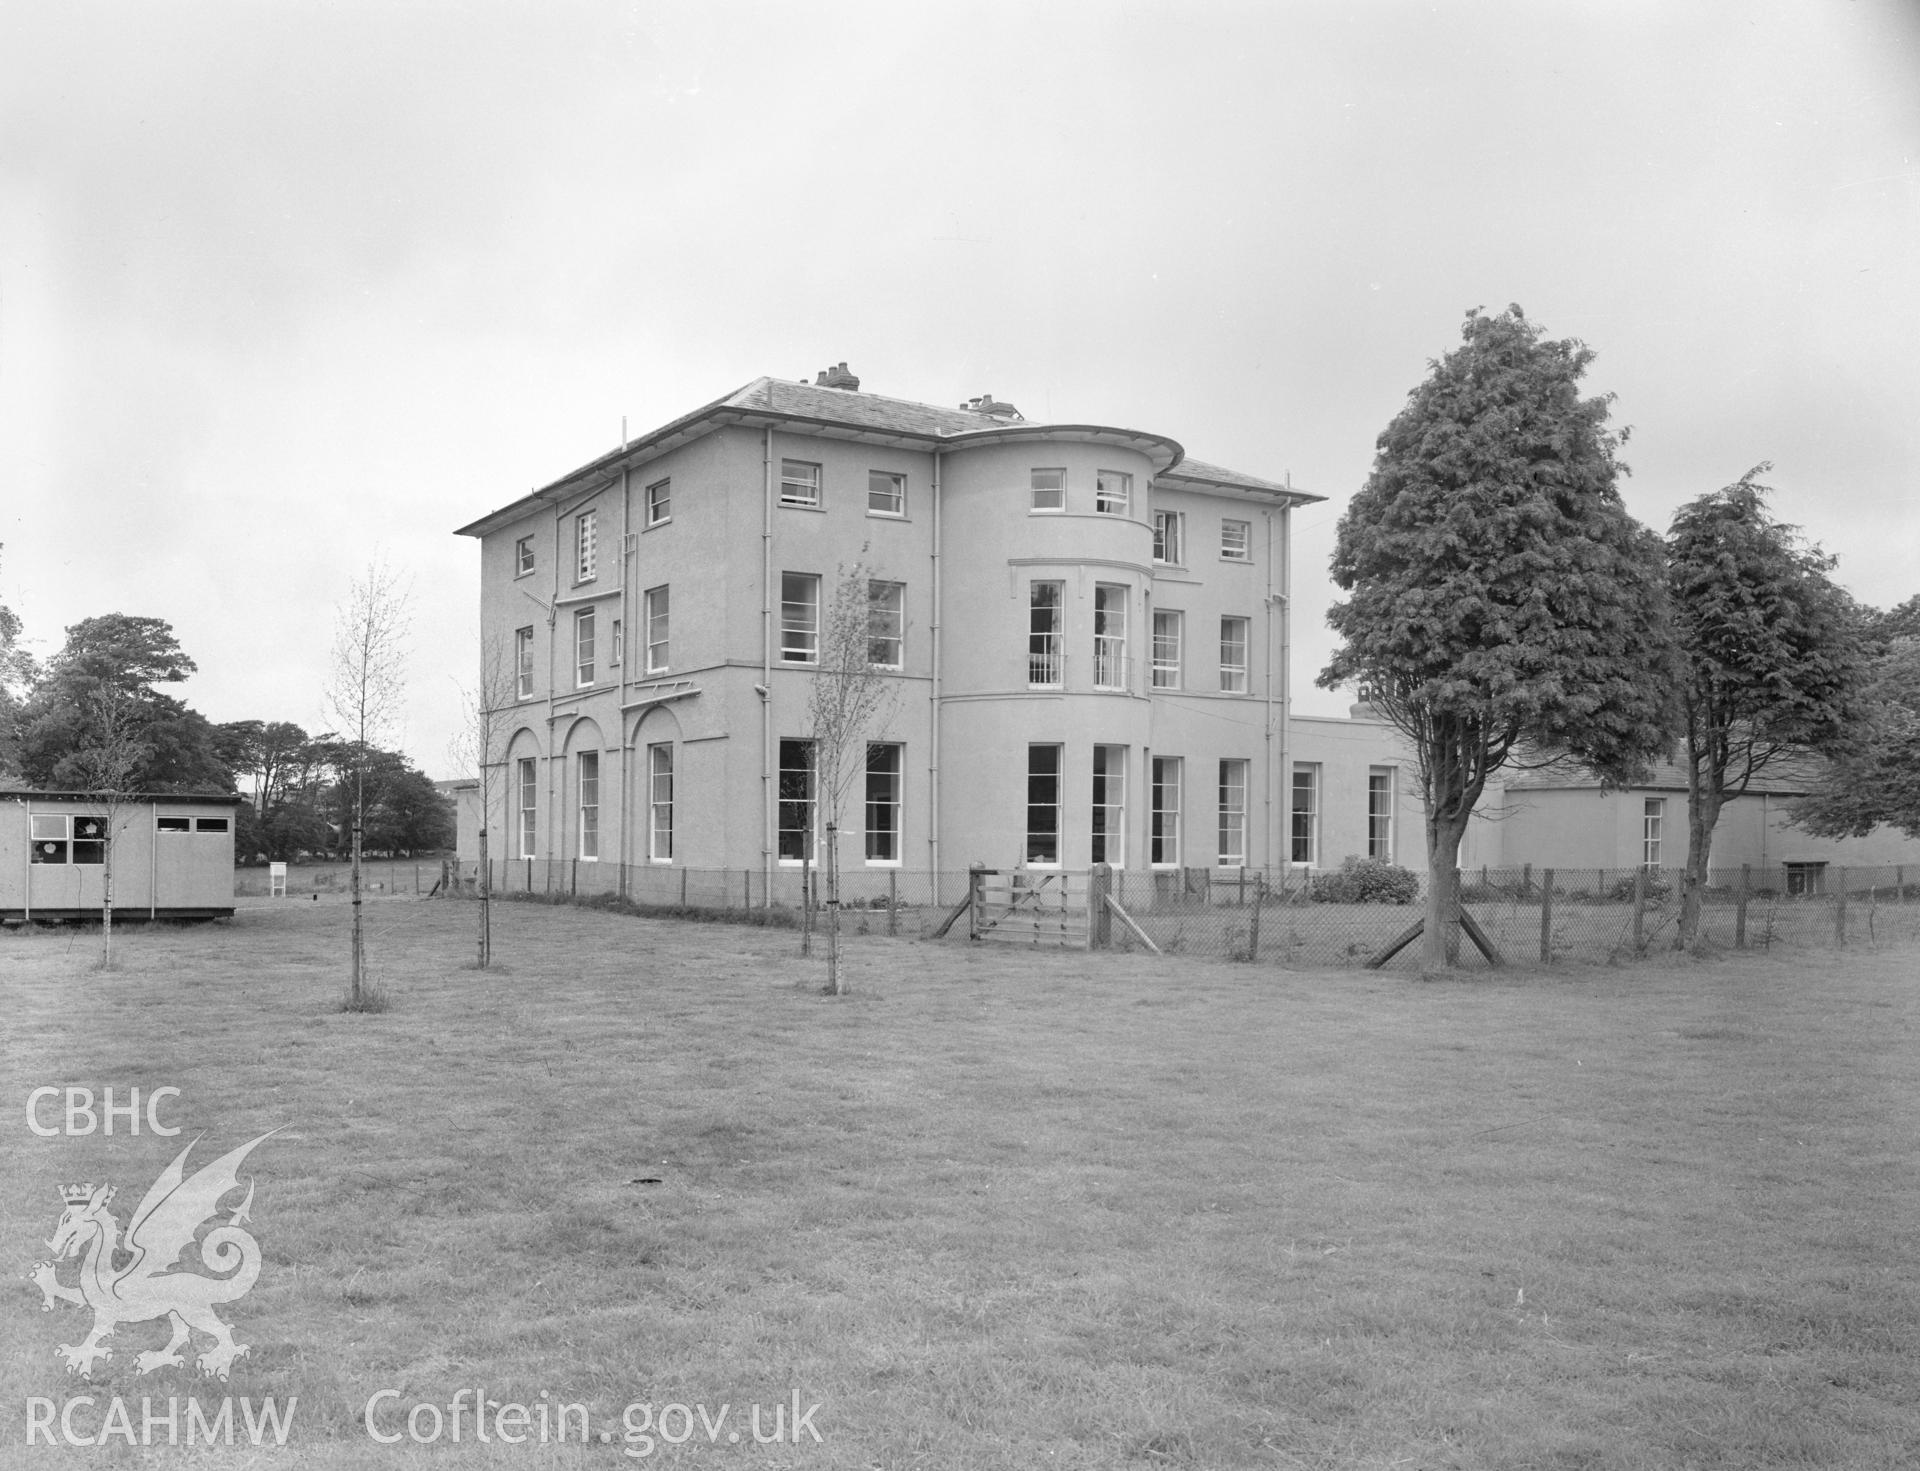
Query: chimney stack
x=837, y=377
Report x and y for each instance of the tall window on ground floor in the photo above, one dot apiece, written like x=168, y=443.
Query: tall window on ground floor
x=1110, y=804
x=1164, y=835
x=1045, y=601
x=883, y=801
x=1652, y=816
x=1233, y=813
x=1380, y=784
x=796, y=800
x=529, y=805
x=660, y=803
x=589, y=780
x=1304, y=833
x=1043, y=804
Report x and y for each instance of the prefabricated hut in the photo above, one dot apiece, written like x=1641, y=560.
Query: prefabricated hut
x=172, y=856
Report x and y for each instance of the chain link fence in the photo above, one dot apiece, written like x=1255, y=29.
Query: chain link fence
x=379, y=875
x=1530, y=916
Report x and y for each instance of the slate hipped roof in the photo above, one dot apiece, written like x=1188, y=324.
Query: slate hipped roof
x=810, y=407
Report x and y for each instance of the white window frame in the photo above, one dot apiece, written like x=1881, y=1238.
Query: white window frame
x=1228, y=553
x=658, y=607
x=1110, y=671
x=893, y=489
x=1233, y=675
x=529, y=805
x=1303, y=821
x=1107, y=828
x=587, y=808
x=886, y=802
x=1169, y=538
x=660, y=503
x=800, y=485
x=1169, y=629
x=800, y=618
x=1163, y=832
x=660, y=803
x=886, y=623
x=586, y=545
x=616, y=642
x=1112, y=492
x=523, y=557
x=583, y=648
x=1653, y=815
x=1046, y=635
x=1057, y=490
x=1233, y=811
x=1037, y=836
x=523, y=663
x=59, y=827
x=1382, y=788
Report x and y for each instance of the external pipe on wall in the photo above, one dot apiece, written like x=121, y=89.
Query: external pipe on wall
x=933, y=722
x=1273, y=842
x=628, y=571
x=767, y=792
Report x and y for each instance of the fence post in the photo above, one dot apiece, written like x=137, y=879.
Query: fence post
x=893, y=901
x=976, y=899
x=683, y=893
x=1099, y=917
x=1740, y=907
x=1546, y=916
x=1253, y=926
x=1526, y=878
x=1640, y=909
x=1840, y=912
x=1899, y=883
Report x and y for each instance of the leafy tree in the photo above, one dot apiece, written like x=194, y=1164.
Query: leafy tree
x=1879, y=782
x=119, y=657
x=1772, y=657
x=17, y=675
x=1500, y=594
x=412, y=815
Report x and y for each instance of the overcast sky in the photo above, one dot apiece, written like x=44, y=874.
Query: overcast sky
x=284, y=287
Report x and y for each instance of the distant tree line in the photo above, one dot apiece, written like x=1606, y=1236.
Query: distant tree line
x=105, y=687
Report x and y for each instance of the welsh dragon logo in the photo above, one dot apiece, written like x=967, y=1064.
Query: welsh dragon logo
x=132, y=1280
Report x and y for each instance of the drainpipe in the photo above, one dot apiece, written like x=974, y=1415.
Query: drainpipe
x=767, y=791
x=629, y=569
x=933, y=698
x=1272, y=834
x=553, y=682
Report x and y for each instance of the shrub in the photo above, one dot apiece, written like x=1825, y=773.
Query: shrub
x=1657, y=888
x=1365, y=881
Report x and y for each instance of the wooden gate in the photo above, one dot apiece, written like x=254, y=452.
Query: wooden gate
x=1030, y=907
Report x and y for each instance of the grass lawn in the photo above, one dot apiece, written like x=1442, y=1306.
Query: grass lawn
x=1001, y=1208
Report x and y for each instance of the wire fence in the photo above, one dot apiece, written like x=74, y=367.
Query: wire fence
x=379, y=875
x=1288, y=917
x=1529, y=916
